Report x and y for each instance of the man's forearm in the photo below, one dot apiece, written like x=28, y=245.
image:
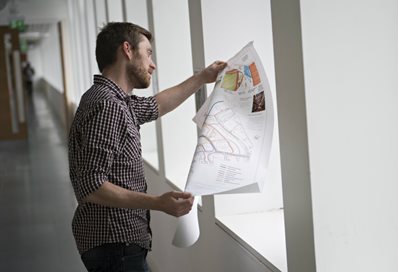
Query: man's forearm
x=111, y=195
x=115, y=196
x=172, y=97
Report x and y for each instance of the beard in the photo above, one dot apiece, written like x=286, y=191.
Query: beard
x=137, y=75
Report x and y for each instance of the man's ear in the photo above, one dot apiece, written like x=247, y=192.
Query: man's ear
x=127, y=50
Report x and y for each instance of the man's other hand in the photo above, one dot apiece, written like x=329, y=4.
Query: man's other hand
x=176, y=203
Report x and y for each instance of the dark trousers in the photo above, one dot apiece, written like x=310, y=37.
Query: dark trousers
x=29, y=87
x=118, y=257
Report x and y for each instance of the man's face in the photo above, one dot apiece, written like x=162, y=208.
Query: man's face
x=141, y=66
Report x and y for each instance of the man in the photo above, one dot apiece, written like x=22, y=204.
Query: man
x=111, y=222
x=28, y=73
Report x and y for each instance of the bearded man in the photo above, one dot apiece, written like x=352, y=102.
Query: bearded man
x=111, y=222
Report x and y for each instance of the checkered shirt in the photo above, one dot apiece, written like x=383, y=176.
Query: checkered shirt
x=104, y=145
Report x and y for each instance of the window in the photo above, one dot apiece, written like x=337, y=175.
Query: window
x=255, y=219
x=174, y=64
x=100, y=14
x=115, y=10
x=91, y=36
x=136, y=12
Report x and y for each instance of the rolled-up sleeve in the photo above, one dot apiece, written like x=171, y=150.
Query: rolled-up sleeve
x=99, y=143
x=145, y=108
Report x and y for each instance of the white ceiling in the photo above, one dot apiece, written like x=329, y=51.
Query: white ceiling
x=34, y=11
x=39, y=15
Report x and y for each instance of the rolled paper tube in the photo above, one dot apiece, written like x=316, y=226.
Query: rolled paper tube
x=187, y=231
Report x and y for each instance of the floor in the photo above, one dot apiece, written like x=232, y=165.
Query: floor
x=36, y=198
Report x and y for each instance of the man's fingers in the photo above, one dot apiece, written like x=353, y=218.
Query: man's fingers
x=184, y=195
x=220, y=65
x=223, y=64
x=177, y=203
x=184, y=211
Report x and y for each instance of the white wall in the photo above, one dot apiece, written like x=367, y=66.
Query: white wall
x=351, y=64
x=51, y=58
x=35, y=58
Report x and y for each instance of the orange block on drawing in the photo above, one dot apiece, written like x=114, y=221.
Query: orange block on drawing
x=255, y=75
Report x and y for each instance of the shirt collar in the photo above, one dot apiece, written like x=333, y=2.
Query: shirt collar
x=101, y=80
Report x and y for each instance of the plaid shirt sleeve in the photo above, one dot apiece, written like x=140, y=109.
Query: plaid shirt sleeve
x=145, y=108
x=100, y=137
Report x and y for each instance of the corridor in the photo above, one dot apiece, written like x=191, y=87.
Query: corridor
x=36, y=198
x=312, y=187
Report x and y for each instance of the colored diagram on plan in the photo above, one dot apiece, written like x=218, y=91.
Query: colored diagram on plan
x=245, y=76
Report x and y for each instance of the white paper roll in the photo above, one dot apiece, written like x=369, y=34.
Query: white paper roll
x=187, y=232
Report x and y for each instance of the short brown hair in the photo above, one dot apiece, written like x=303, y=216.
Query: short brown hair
x=112, y=35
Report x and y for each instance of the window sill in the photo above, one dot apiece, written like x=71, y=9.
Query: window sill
x=262, y=234
x=151, y=158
